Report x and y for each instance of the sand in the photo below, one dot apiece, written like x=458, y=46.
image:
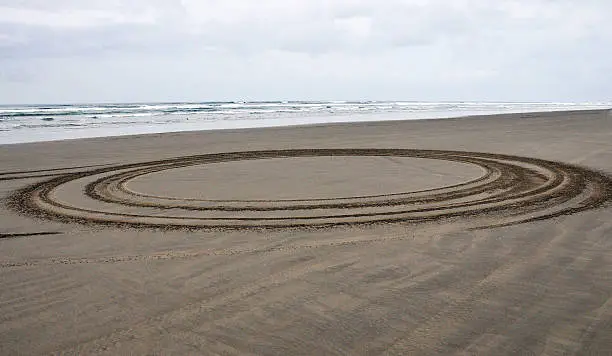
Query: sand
x=483, y=235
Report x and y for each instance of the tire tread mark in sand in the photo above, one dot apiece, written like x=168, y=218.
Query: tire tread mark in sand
x=526, y=189
x=30, y=176
x=121, y=186
x=15, y=175
x=17, y=235
x=50, y=169
x=507, y=184
x=92, y=191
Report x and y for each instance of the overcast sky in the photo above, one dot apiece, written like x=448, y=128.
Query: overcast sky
x=58, y=51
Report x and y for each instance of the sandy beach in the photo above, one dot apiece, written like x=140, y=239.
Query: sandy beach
x=484, y=235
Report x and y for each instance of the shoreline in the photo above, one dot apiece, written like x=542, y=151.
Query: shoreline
x=518, y=115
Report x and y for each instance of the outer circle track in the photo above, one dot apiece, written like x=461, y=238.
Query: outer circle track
x=513, y=189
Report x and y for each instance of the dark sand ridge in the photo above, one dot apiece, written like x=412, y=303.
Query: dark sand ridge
x=478, y=235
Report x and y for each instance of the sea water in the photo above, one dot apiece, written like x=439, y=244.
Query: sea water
x=31, y=123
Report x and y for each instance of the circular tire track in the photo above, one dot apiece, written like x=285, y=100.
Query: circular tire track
x=512, y=188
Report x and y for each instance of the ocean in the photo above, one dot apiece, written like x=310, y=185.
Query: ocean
x=31, y=123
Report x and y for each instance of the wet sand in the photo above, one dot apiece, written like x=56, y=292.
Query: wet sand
x=482, y=235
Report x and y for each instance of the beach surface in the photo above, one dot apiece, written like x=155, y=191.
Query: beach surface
x=482, y=235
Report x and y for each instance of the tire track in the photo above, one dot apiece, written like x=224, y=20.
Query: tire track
x=514, y=189
x=15, y=235
x=41, y=173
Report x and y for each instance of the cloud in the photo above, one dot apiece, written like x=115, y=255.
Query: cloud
x=405, y=49
x=70, y=18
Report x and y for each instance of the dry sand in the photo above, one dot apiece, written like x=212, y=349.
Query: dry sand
x=483, y=235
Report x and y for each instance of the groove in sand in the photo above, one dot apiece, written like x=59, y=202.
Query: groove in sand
x=44, y=233
x=516, y=189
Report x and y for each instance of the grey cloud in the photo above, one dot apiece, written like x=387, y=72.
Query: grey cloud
x=435, y=48
x=313, y=27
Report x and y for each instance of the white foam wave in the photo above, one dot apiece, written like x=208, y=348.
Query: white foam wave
x=35, y=123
